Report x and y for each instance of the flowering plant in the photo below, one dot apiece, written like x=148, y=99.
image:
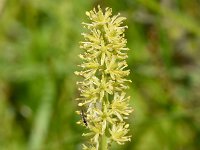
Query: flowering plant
x=103, y=101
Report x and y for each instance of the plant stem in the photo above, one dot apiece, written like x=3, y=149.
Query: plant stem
x=104, y=143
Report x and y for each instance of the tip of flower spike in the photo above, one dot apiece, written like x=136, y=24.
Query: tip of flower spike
x=87, y=134
x=99, y=7
x=87, y=13
x=84, y=134
x=84, y=147
x=77, y=99
x=80, y=104
x=126, y=126
x=78, y=112
x=78, y=122
x=107, y=9
x=81, y=56
x=76, y=73
x=77, y=83
x=128, y=97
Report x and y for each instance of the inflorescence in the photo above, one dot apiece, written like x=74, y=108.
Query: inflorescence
x=103, y=103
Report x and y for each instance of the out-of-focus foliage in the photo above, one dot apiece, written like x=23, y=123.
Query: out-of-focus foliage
x=39, y=44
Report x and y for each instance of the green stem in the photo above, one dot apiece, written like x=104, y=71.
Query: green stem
x=104, y=143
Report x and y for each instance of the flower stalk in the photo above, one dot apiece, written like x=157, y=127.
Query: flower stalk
x=104, y=142
x=102, y=90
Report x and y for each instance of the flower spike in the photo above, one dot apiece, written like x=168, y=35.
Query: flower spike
x=102, y=90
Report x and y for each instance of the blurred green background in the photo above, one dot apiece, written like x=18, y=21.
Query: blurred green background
x=39, y=44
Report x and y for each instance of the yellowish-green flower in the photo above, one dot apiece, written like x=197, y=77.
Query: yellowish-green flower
x=118, y=133
x=102, y=90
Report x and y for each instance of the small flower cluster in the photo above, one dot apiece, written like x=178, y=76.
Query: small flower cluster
x=102, y=91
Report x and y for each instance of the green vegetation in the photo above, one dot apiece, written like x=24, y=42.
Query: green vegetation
x=39, y=47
